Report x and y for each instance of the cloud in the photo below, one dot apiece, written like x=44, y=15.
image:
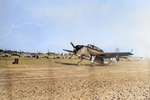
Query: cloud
x=137, y=33
x=40, y=25
x=8, y=32
x=21, y=25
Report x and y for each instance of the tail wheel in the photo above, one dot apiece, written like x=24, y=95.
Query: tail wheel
x=109, y=63
x=92, y=64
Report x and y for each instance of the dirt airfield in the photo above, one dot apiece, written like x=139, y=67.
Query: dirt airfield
x=62, y=79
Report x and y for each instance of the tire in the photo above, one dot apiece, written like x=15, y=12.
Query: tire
x=92, y=64
x=79, y=63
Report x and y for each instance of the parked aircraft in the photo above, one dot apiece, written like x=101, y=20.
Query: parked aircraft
x=96, y=54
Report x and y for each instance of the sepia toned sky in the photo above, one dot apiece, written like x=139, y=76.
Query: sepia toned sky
x=42, y=25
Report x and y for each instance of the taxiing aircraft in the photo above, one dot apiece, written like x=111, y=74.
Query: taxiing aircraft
x=96, y=54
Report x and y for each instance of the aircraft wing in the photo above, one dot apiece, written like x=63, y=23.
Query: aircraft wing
x=114, y=54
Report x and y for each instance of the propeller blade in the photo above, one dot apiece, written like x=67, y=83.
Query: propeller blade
x=68, y=50
x=72, y=44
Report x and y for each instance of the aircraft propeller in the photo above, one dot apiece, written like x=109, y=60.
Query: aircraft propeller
x=75, y=49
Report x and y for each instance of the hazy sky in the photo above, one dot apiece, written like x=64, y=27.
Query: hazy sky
x=39, y=25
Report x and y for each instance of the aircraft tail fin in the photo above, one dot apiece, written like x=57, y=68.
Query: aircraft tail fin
x=117, y=50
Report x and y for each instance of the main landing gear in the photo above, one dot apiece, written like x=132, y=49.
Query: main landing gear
x=92, y=61
x=79, y=63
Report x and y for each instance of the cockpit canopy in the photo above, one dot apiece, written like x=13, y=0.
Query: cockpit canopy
x=94, y=47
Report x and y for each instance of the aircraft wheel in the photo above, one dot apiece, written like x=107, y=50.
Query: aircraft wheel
x=79, y=63
x=92, y=65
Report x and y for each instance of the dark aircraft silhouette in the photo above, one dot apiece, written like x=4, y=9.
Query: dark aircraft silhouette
x=96, y=54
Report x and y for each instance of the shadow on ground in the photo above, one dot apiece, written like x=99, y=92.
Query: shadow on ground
x=96, y=65
x=66, y=63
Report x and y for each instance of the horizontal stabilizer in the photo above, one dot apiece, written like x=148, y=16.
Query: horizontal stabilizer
x=117, y=50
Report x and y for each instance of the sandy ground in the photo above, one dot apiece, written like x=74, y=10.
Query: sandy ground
x=126, y=80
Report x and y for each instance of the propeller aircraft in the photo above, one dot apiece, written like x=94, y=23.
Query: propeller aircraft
x=96, y=54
